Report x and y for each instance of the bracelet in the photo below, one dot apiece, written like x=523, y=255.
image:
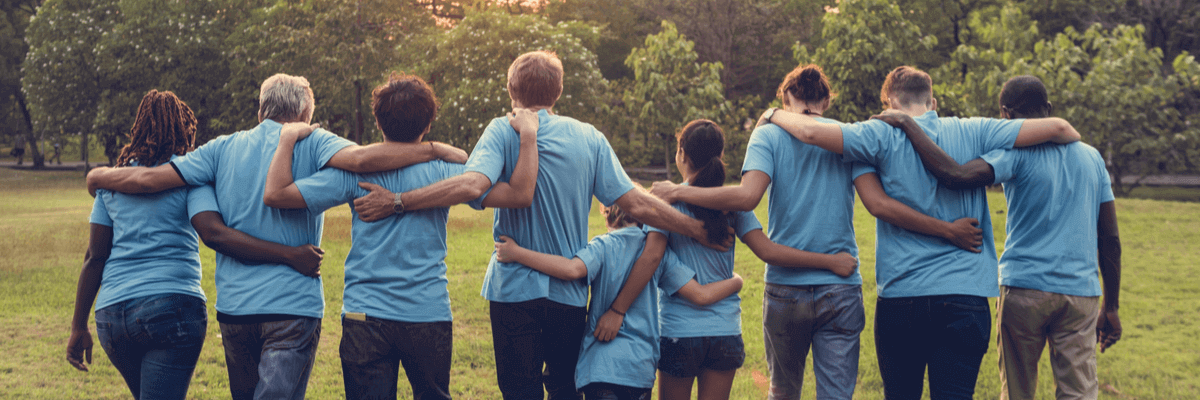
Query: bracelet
x=615, y=310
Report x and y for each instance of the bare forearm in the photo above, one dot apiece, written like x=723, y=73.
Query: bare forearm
x=824, y=135
x=134, y=180
x=85, y=292
x=643, y=270
x=239, y=245
x=784, y=256
x=556, y=266
x=721, y=289
x=279, y=176
x=456, y=190
x=384, y=156
x=1109, y=248
x=653, y=211
x=947, y=171
x=518, y=191
x=727, y=198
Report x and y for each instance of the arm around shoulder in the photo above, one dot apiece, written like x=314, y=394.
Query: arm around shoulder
x=134, y=179
x=1041, y=130
x=703, y=295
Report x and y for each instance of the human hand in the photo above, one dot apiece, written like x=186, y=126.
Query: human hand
x=376, y=205
x=608, y=326
x=965, y=234
x=79, y=349
x=306, y=260
x=93, y=179
x=1108, y=329
x=449, y=153
x=738, y=278
x=665, y=190
x=506, y=249
x=298, y=130
x=525, y=121
x=844, y=264
x=893, y=117
x=762, y=118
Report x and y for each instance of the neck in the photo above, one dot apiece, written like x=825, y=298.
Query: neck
x=812, y=109
x=913, y=110
x=618, y=227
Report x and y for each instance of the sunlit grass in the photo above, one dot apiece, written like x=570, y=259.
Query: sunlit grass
x=43, y=233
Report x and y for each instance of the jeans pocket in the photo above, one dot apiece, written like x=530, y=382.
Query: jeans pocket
x=780, y=294
x=968, y=322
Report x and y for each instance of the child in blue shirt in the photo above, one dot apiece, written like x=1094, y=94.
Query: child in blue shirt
x=624, y=367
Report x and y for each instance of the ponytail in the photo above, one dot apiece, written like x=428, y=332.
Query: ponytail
x=703, y=142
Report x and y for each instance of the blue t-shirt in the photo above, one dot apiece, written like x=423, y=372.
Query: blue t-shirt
x=1054, y=194
x=575, y=162
x=396, y=268
x=910, y=264
x=237, y=166
x=682, y=318
x=151, y=255
x=631, y=358
x=811, y=204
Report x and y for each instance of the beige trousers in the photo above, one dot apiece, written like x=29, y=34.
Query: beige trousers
x=1027, y=319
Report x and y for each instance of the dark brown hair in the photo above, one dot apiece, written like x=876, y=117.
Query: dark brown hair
x=1025, y=97
x=536, y=78
x=908, y=85
x=404, y=107
x=164, y=126
x=806, y=83
x=703, y=142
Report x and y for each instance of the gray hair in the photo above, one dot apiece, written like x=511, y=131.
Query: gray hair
x=285, y=98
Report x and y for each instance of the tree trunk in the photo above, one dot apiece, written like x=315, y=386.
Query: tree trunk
x=34, y=154
x=83, y=150
x=667, y=158
x=358, y=114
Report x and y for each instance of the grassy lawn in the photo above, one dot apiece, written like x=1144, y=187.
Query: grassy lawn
x=43, y=220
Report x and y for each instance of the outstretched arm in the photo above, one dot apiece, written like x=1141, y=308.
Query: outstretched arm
x=703, y=295
x=824, y=135
x=843, y=264
x=1041, y=130
x=518, y=191
x=248, y=249
x=743, y=197
x=387, y=156
x=973, y=174
x=962, y=233
x=378, y=204
x=556, y=266
x=79, y=344
x=652, y=211
x=1108, y=328
x=643, y=269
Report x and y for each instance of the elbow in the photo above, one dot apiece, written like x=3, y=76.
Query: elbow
x=1066, y=132
x=525, y=201
x=271, y=199
x=746, y=202
x=576, y=273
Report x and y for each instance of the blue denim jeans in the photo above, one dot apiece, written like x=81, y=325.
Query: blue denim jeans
x=609, y=391
x=372, y=351
x=688, y=357
x=529, y=335
x=270, y=360
x=826, y=318
x=947, y=334
x=154, y=341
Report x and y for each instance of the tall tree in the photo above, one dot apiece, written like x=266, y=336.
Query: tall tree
x=14, y=110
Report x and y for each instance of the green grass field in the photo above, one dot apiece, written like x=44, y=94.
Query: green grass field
x=43, y=233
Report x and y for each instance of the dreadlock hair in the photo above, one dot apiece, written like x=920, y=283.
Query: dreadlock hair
x=703, y=142
x=164, y=126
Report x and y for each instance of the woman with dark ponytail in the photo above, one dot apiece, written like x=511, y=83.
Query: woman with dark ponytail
x=692, y=334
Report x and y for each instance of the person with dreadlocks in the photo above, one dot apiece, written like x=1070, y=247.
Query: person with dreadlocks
x=144, y=273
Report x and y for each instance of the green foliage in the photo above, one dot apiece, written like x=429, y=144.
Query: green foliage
x=468, y=69
x=863, y=41
x=669, y=89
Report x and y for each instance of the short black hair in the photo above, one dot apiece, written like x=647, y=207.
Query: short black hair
x=1025, y=96
x=404, y=107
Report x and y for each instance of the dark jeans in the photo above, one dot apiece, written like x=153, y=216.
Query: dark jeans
x=154, y=341
x=372, y=351
x=527, y=334
x=270, y=360
x=947, y=334
x=609, y=391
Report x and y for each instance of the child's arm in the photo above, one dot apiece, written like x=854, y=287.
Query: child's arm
x=557, y=266
x=643, y=270
x=843, y=264
x=704, y=295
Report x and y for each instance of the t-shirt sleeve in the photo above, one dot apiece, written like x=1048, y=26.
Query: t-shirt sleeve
x=673, y=273
x=857, y=169
x=1106, y=192
x=1003, y=162
x=759, y=156
x=865, y=141
x=593, y=256
x=994, y=134
x=488, y=155
x=648, y=229
x=611, y=180
x=325, y=145
x=199, y=167
x=744, y=222
x=200, y=199
x=99, y=210
x=327, y=188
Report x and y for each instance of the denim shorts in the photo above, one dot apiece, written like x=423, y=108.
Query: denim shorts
x=687, y=357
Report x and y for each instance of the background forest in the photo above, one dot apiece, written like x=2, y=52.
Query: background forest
x=1122, y=71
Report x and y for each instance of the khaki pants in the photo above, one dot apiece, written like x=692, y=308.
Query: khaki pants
x=1027, y=319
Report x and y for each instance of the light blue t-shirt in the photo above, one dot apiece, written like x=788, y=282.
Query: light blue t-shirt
x=396, y=268
x=682, y=318
x=155, y=250
x=811, y=204
x=631, y=358
x=910, y=264
x=575, y=162
x=1054, y=194
x=237, y=166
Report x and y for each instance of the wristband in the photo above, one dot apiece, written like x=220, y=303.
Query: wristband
x=615, y=310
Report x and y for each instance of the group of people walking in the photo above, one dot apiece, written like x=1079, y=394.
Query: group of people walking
x=656, y=295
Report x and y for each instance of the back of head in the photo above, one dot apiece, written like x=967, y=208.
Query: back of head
x=1024, y=97
x=908, y=86
x=404, y=107
x=806, y=83
x=703, y=143
x=285, y=98
x=535, y=79
x=615, y=217
x=164, y=126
